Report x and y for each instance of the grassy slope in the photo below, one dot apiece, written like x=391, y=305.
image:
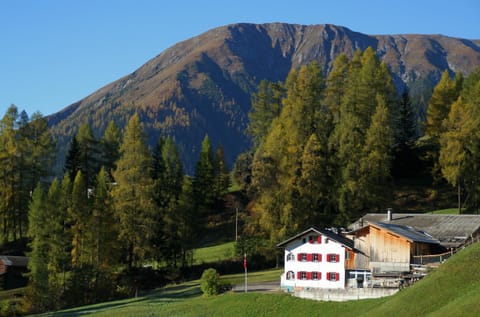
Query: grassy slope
x=214, y=253
x=452, y=290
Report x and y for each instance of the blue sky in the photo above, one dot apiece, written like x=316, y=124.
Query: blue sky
x=55, y=52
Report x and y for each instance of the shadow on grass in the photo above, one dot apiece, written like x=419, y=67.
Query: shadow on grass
x=165, y=295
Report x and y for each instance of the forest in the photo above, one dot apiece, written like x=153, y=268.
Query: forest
x=325, y=150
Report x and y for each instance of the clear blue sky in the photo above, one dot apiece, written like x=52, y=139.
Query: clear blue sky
x=55, y=52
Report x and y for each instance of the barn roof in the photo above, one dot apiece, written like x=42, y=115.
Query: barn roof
x=409, y=233
x=449, y=230
x=328, y=233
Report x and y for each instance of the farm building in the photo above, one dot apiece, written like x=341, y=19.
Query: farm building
x=451, y=231
x=387, y=247
x=316, y=259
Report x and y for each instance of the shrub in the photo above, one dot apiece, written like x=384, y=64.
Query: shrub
x=210, y=282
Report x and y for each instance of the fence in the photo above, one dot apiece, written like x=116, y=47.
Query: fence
x=439, y=258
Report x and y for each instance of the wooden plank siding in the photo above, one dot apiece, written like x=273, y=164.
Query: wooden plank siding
x=349, y=259
x=381, y=249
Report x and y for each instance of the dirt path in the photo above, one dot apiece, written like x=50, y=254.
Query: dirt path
x=257, y=287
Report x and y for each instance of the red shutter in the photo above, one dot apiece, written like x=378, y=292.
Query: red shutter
x=299, y=275
x=337, y=257
x=309, y=257
x=310, y=239
x=337, y=276
x=319, y=274
x=319, y=258
x=329, y=257
x=309, y=275
x=299, y=256
x=319, y=239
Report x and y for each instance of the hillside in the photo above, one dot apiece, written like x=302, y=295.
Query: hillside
x=451, y=290
x=203, y=85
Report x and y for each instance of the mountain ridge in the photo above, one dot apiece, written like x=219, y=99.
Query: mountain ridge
x=203, y=85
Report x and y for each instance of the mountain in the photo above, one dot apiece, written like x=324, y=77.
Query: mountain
x=203, y=85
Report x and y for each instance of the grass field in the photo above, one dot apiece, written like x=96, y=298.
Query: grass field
x=451, y=290
x=216, y=253
x=449, y=211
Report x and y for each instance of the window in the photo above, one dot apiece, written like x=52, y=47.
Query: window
x=333, y=276
x=302, y=275
x=290, y=257
x=317, y=257
x=290, y=275
x=302, y=257
x=316, y=276
x=315, y=239
x=333, y=258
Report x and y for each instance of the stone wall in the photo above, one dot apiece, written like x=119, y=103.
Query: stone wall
x=340, y=295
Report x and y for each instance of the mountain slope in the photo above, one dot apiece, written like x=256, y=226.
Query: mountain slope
x=203, y=85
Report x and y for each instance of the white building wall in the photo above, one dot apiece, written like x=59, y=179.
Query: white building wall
x=324, y=248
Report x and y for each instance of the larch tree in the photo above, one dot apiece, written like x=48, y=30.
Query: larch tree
x=38, y=293
x=133, y=194
x=266, y=106
x=376, y=164
x=444, y=94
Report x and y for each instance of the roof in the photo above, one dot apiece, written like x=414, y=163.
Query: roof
x=449, y=230
x=409, y=233
x=328, y=233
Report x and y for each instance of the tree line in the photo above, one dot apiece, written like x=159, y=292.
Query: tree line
x=118, y=206
x=327, y=149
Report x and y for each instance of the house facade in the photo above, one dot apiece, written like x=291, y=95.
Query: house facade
x=316, y=259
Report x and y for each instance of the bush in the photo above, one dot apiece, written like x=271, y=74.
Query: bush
x=210, y=282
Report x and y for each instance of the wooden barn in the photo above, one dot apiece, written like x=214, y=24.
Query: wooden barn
x=386, y=247
x=452, y=231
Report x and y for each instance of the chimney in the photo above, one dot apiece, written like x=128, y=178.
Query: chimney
x=389, y=214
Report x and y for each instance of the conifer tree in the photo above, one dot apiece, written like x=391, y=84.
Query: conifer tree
x=376, y=164
x=38, y=292
x=314, y=184
x=105, y=252
x=266, y=106
x=133, y=194
x=204, y=178
x=222, y=175
x=110, y=145
x=444, y=94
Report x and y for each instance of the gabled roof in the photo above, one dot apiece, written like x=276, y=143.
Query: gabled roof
x=328, y=233
x=449, y=230
x=407, y=232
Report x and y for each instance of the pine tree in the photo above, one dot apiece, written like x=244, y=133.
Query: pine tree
x=133, y=194
x=72, y=159
x=222, y=175
x=89, y=152
x=110, y=145
x=204, y=179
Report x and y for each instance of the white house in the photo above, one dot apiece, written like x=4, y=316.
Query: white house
x=316, y=259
